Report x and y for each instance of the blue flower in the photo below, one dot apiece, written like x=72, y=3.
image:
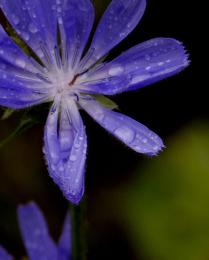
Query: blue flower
x=58, y=31
x=37, y=240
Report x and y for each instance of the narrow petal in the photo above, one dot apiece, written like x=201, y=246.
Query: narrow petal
x=65, y=150
x=4, y=255
x=35, y=21
x=76, y=25
x=35, y=234
x=135, y=135
x=120, y=18
x=107, y=85
x=19, y=91
x=142, y=65
x=20, y=82
x=65, y=242
x=12, y=55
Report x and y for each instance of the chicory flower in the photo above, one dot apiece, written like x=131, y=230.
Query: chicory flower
x=69, y=77
x=36, y=238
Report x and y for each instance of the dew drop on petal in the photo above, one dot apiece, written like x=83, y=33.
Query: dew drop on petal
x=32, y=28
x=21, y=63
x=73, y=158
x=116, y=70
x=125, y=133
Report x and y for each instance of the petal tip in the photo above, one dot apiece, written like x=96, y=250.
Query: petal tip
x=75, y=199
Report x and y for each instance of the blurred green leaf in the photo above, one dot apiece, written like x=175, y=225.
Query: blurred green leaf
x=106, y=102
x=166, y=205
x=7, y=113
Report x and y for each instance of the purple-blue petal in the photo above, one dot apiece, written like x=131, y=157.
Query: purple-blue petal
x=107, y=85
x=135, y=135
x=11, y=55
x=4, y=255
x=141, y=65
x=35, y=21
x=19, y=85
x=65, y=150
x=76, y=25
x=35, y=234
x=19, y=91
x=65, y=241
x=120, y=18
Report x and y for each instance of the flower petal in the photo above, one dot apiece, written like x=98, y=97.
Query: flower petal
x=19, y=92
x=135, y=135
x=142, y=65
x=35, y=21
x=20, y=82
x=120, y=18
x=65, y=242
x=35, y=234
x=76, y=25
x=11, y=54
x=65, y=150
x=4, y=255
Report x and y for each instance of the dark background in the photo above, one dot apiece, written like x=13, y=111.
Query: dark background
x=131, y=211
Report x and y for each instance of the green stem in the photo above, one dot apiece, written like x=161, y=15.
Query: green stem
x=79, y=231
x=24, y=125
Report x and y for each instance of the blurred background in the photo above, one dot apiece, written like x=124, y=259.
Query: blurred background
x=138, y=208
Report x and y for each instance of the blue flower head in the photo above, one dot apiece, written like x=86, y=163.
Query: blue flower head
x=37, y=240
x=70, y=76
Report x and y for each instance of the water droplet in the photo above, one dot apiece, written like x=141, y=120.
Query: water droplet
x=148, y=67
x=77, y=145
x=145, y=140
x=15, y=19
x=116, y=70
x=73, y=158
x=160, y=63
x=32, y=28
x=21, y=63
x=26, y=36
x=147, y=57
x=156, y=148
x=125, y=133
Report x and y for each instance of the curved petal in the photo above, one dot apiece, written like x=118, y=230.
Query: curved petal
x=35, y=21
x=76, y=25
x=65, y=150
x=4, y=255
x=135, y=135
x=65, y=241
x=12, y=55
x=142, y=65
x=35, y=234
x=120, y=18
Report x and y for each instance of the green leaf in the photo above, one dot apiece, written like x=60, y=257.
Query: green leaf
x=7, y=113
x=106, y=102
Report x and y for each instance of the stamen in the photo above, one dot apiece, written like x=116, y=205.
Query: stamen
x=57, y=57
x=37, y=65
x=86, y=59
x=47, y=55
x=63, y=43
x=43, y=77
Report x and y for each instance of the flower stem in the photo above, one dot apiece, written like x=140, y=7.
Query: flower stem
x=79, y=231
